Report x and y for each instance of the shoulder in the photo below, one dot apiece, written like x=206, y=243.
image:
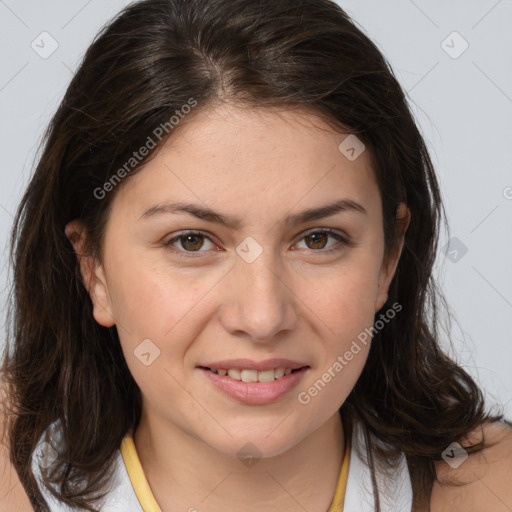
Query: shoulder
x=12, y=493
x=483, y=481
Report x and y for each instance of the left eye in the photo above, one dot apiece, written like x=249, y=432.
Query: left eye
x=192, y=241
x=319, y=236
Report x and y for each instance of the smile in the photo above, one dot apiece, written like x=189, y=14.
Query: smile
x=254, y=387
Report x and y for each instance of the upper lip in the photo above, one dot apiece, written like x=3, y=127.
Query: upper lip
x=250, y=364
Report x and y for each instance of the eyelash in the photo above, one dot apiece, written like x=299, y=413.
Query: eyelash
x=194, y=254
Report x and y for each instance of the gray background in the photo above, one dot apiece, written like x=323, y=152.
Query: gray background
x=461, y=97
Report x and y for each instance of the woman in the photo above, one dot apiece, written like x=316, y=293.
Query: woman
x=145, y=377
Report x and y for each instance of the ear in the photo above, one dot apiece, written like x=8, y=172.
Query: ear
x=387, y=271
x=93, y=275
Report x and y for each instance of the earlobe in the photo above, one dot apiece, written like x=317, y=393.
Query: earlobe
x=388, y=269
x=93, y=275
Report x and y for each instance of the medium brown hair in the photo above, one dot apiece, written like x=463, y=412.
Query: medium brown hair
x=61, y=365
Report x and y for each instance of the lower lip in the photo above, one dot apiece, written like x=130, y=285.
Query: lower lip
x=256, y=393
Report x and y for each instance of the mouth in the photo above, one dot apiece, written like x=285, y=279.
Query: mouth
x=255, y=383
x=252, y=375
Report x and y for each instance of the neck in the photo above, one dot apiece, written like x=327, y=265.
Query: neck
x=186, y=474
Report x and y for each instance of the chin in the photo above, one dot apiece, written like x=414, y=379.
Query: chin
x=256, y=442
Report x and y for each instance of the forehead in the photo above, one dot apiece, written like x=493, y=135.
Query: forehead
x=251, y=160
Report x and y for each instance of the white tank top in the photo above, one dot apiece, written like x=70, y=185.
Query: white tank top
x=395, y=491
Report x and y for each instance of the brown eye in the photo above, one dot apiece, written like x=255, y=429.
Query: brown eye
x=189, y=242
x=317, y=241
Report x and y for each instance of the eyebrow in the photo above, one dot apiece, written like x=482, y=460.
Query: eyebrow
x=232, y=222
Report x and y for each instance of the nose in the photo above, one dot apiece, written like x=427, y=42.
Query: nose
x=259, y=304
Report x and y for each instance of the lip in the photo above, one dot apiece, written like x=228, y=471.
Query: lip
x=255, y=393
x=250, y=364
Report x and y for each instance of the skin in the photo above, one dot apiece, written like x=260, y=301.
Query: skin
x=12, y=494
x=485, y=477
x=291, y=302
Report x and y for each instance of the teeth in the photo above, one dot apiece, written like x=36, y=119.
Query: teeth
x=249, y=375
x=254, y=375
x=279, y=373
x=266, y=376
x=234, y=374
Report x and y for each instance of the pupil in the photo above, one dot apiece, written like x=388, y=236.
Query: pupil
x=188, y=237
x=316, y=242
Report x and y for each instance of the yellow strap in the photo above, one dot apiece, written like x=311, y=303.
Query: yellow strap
x=147, y=500
x=136, y=473
x=341, y=488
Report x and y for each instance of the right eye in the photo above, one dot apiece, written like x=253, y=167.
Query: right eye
x=190, y=241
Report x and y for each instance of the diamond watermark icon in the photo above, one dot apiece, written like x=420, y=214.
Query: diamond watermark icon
x=146, y=352
x=249, y=249
x=454, y=455
x=351, y=147
x=249, y=455
x=455, y=249
x=454, y=45
x=44, y=45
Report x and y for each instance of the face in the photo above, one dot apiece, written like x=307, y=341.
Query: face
x=266, y=289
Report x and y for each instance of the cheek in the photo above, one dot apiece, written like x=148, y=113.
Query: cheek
x=346, y=297
x=152, y=299
x=164, y=305
x=346, y=312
